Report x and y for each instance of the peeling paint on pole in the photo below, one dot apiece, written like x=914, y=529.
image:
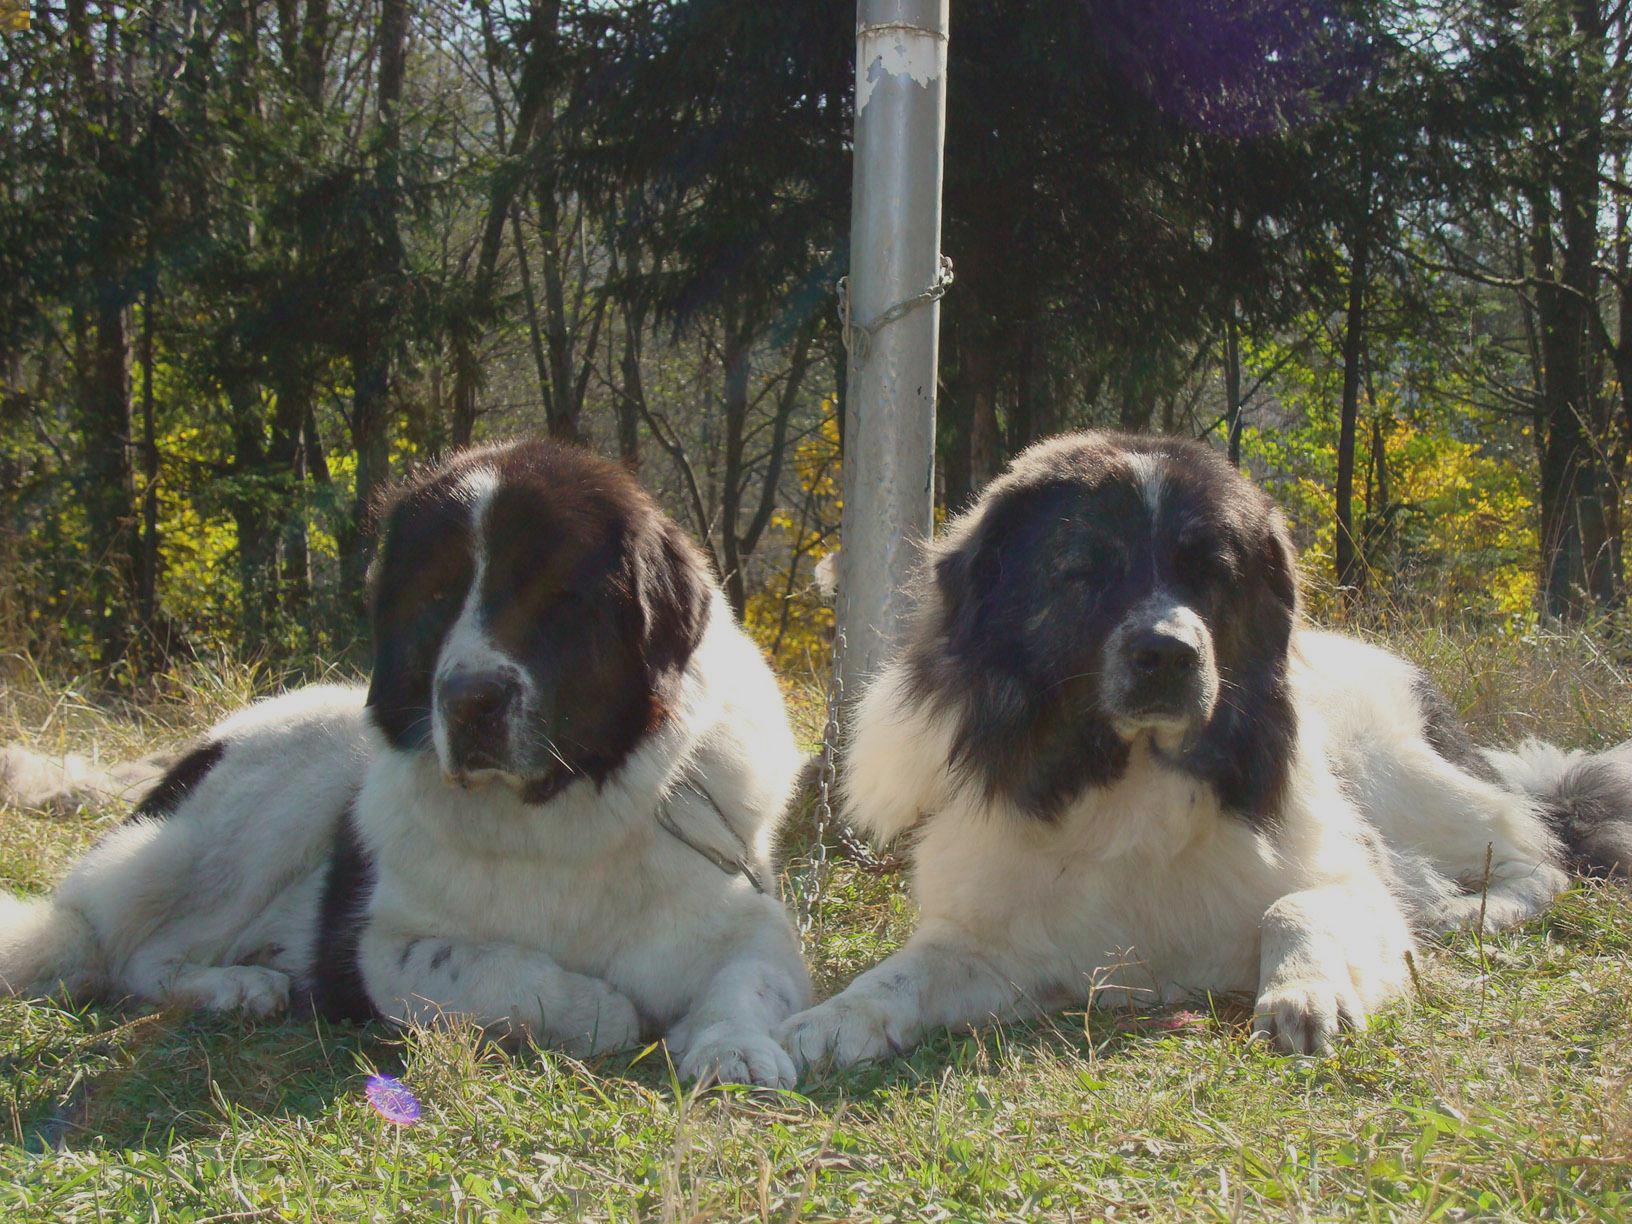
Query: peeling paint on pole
x=896, y=51
x=895, y=245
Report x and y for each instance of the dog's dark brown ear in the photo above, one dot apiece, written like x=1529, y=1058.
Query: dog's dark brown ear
x=1281, y=565
x=416, y=584
x=673, y=595
x=1246, y=750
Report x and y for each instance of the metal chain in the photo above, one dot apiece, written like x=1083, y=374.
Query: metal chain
x=858, y=337
x=808, y=889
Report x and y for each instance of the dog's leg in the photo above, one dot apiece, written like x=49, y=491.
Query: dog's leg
x=1425, y=804
x=1329, y=957
x=416, y=977
x=726, y=1037
x=159, y=977
x=942, y=976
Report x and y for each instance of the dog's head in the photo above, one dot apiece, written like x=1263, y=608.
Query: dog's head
x=533, y=610
x=1109, y=590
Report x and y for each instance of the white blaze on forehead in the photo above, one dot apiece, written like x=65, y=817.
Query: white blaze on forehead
x=476, y=490
x=476, y=487
x=1150, y=472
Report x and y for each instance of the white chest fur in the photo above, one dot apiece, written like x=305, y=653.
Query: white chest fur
x=590, y=879
x=1144, y=886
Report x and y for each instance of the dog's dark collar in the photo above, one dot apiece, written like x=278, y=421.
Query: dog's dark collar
x=543, y=789
x=741, y=865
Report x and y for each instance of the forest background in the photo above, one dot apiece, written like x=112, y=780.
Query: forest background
x=260, y=257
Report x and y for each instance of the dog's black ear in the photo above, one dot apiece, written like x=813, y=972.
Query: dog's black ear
x=1246, y=750
x=961, y=600
x=1016, y=736
x=673, y=598
x=974, y=580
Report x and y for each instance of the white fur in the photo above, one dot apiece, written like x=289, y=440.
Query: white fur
x=581, y=922
x=1426, y=810
x=1149, y=472
x=163, y=910
x=1144, y=892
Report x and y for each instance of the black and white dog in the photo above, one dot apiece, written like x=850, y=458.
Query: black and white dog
x=550, y=812
x=1132, y=776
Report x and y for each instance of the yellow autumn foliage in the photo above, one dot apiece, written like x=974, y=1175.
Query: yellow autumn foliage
x=787, y=615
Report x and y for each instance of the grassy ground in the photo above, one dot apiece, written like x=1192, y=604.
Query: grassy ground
x=1503, y=1090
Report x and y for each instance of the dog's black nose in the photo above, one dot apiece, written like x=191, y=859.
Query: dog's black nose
x=1160, y=658
x=475, y=703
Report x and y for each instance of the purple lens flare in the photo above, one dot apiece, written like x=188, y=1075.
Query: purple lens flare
x=1234, y=68
x=392, y=1100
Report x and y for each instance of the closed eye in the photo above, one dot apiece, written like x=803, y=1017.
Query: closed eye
x=443, y=594
x=406, y=593
x=1105, y=565
x=445, y=591
x=1201, y=563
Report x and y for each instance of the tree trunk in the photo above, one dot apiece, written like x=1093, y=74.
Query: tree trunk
x=303, y=42
x=251, y=519
x=1350, y=563
x=985, y=445
x=1232, y=386
x=371, y=364
x=147, y=574
x=564, y=404
x=102, y=369
x=630, y=396
x=735, y=403
x=1137, y=408
x=313, y=51
x=953, y=417
x=287, y=460
x=1579, y=565
x=104, y=422
x=535, y=334
x=1373, y=529
x=537, y=86
x=737, y=541
x=1026, y=423
x=633, y=392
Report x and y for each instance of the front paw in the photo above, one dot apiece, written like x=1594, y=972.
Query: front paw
x=253, y=989
x=1304, y=1017
x=841, y=1033
x=723, y=1054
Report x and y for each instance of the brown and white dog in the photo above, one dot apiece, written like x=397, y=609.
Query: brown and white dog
x=549, y=813
x=1132, y=776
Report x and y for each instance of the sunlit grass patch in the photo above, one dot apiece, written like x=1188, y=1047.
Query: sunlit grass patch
x=1502, y=1089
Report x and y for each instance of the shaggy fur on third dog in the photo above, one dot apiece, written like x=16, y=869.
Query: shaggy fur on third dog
x=1132, y=776
x=549, y=813
x=65, y=784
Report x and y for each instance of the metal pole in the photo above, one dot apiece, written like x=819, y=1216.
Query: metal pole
x=894, y=317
